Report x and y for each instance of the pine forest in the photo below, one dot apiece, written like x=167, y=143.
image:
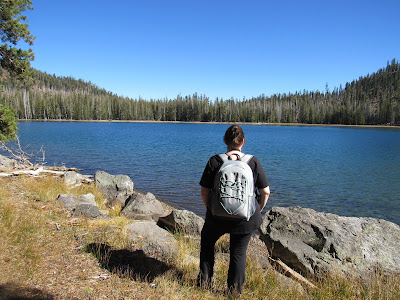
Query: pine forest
x=371, y=100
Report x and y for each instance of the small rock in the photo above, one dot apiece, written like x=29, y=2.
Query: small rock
x=71, y=201
x=88, y=198
x=87, y=210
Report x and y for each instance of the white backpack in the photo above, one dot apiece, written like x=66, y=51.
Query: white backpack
x=233, y=194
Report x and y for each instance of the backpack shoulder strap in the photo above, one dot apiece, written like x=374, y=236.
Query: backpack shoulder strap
x=224, y=157
x=246, y=158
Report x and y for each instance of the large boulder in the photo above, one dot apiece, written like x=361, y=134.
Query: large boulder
x=143, y=206
x=183, y=221
x=116, y=188
x=311, y=242
x=153, y=240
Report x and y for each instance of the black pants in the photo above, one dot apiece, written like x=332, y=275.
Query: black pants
x=237, y=262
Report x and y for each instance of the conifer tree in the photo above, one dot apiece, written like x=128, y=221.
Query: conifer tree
x=8, y=124
x=13, y=29
x=15, y=61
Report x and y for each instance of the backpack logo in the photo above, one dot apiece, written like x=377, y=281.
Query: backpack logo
x=233, y=193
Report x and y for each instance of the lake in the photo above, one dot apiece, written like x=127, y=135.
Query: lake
x=348, y=171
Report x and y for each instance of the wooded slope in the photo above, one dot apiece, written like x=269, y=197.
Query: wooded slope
x=372, y=100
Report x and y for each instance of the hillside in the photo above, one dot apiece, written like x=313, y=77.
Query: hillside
x=373, y=99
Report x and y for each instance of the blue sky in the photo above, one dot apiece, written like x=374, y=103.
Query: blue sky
x=157, y=49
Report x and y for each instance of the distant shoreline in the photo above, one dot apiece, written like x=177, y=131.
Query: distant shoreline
x=197, y=122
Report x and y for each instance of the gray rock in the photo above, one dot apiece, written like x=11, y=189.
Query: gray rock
x=82, y=205
x=7, y=163
x=183, y=221
x=310, y=241
x=70, y=201
x=87, y=210
x=72, y=178
x=116, y=188
x=88, y=198
x=143, y=206
x=153, y=240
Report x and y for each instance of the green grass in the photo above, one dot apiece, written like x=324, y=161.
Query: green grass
x=43, y=250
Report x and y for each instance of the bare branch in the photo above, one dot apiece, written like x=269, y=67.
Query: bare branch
x=43, y=155
x=19, y=154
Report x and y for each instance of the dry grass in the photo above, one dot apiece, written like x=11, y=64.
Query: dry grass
x=41, y=247
x=45, y=254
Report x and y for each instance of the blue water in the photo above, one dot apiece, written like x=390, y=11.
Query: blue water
x=343, y=170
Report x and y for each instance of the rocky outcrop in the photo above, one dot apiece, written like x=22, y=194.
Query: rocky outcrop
x=183, y=221
x=116, y=188
x=143, y=206
x=81, y=206
x=311, y=242
x=153, y=240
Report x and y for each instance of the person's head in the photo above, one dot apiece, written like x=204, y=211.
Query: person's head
x=234, y=137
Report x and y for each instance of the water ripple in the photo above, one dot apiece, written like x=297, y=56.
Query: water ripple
x=347, y=171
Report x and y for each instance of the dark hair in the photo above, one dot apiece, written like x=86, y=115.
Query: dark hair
x=234, y=137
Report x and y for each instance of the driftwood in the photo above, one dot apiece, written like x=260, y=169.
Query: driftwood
x=287, y=271
x=41, y=171
x=23, y=166
x=31, y=172
x=280, y=267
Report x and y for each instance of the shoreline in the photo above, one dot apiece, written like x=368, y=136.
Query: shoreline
x=205, y=123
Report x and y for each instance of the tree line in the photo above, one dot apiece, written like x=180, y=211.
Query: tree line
x=370, y=100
